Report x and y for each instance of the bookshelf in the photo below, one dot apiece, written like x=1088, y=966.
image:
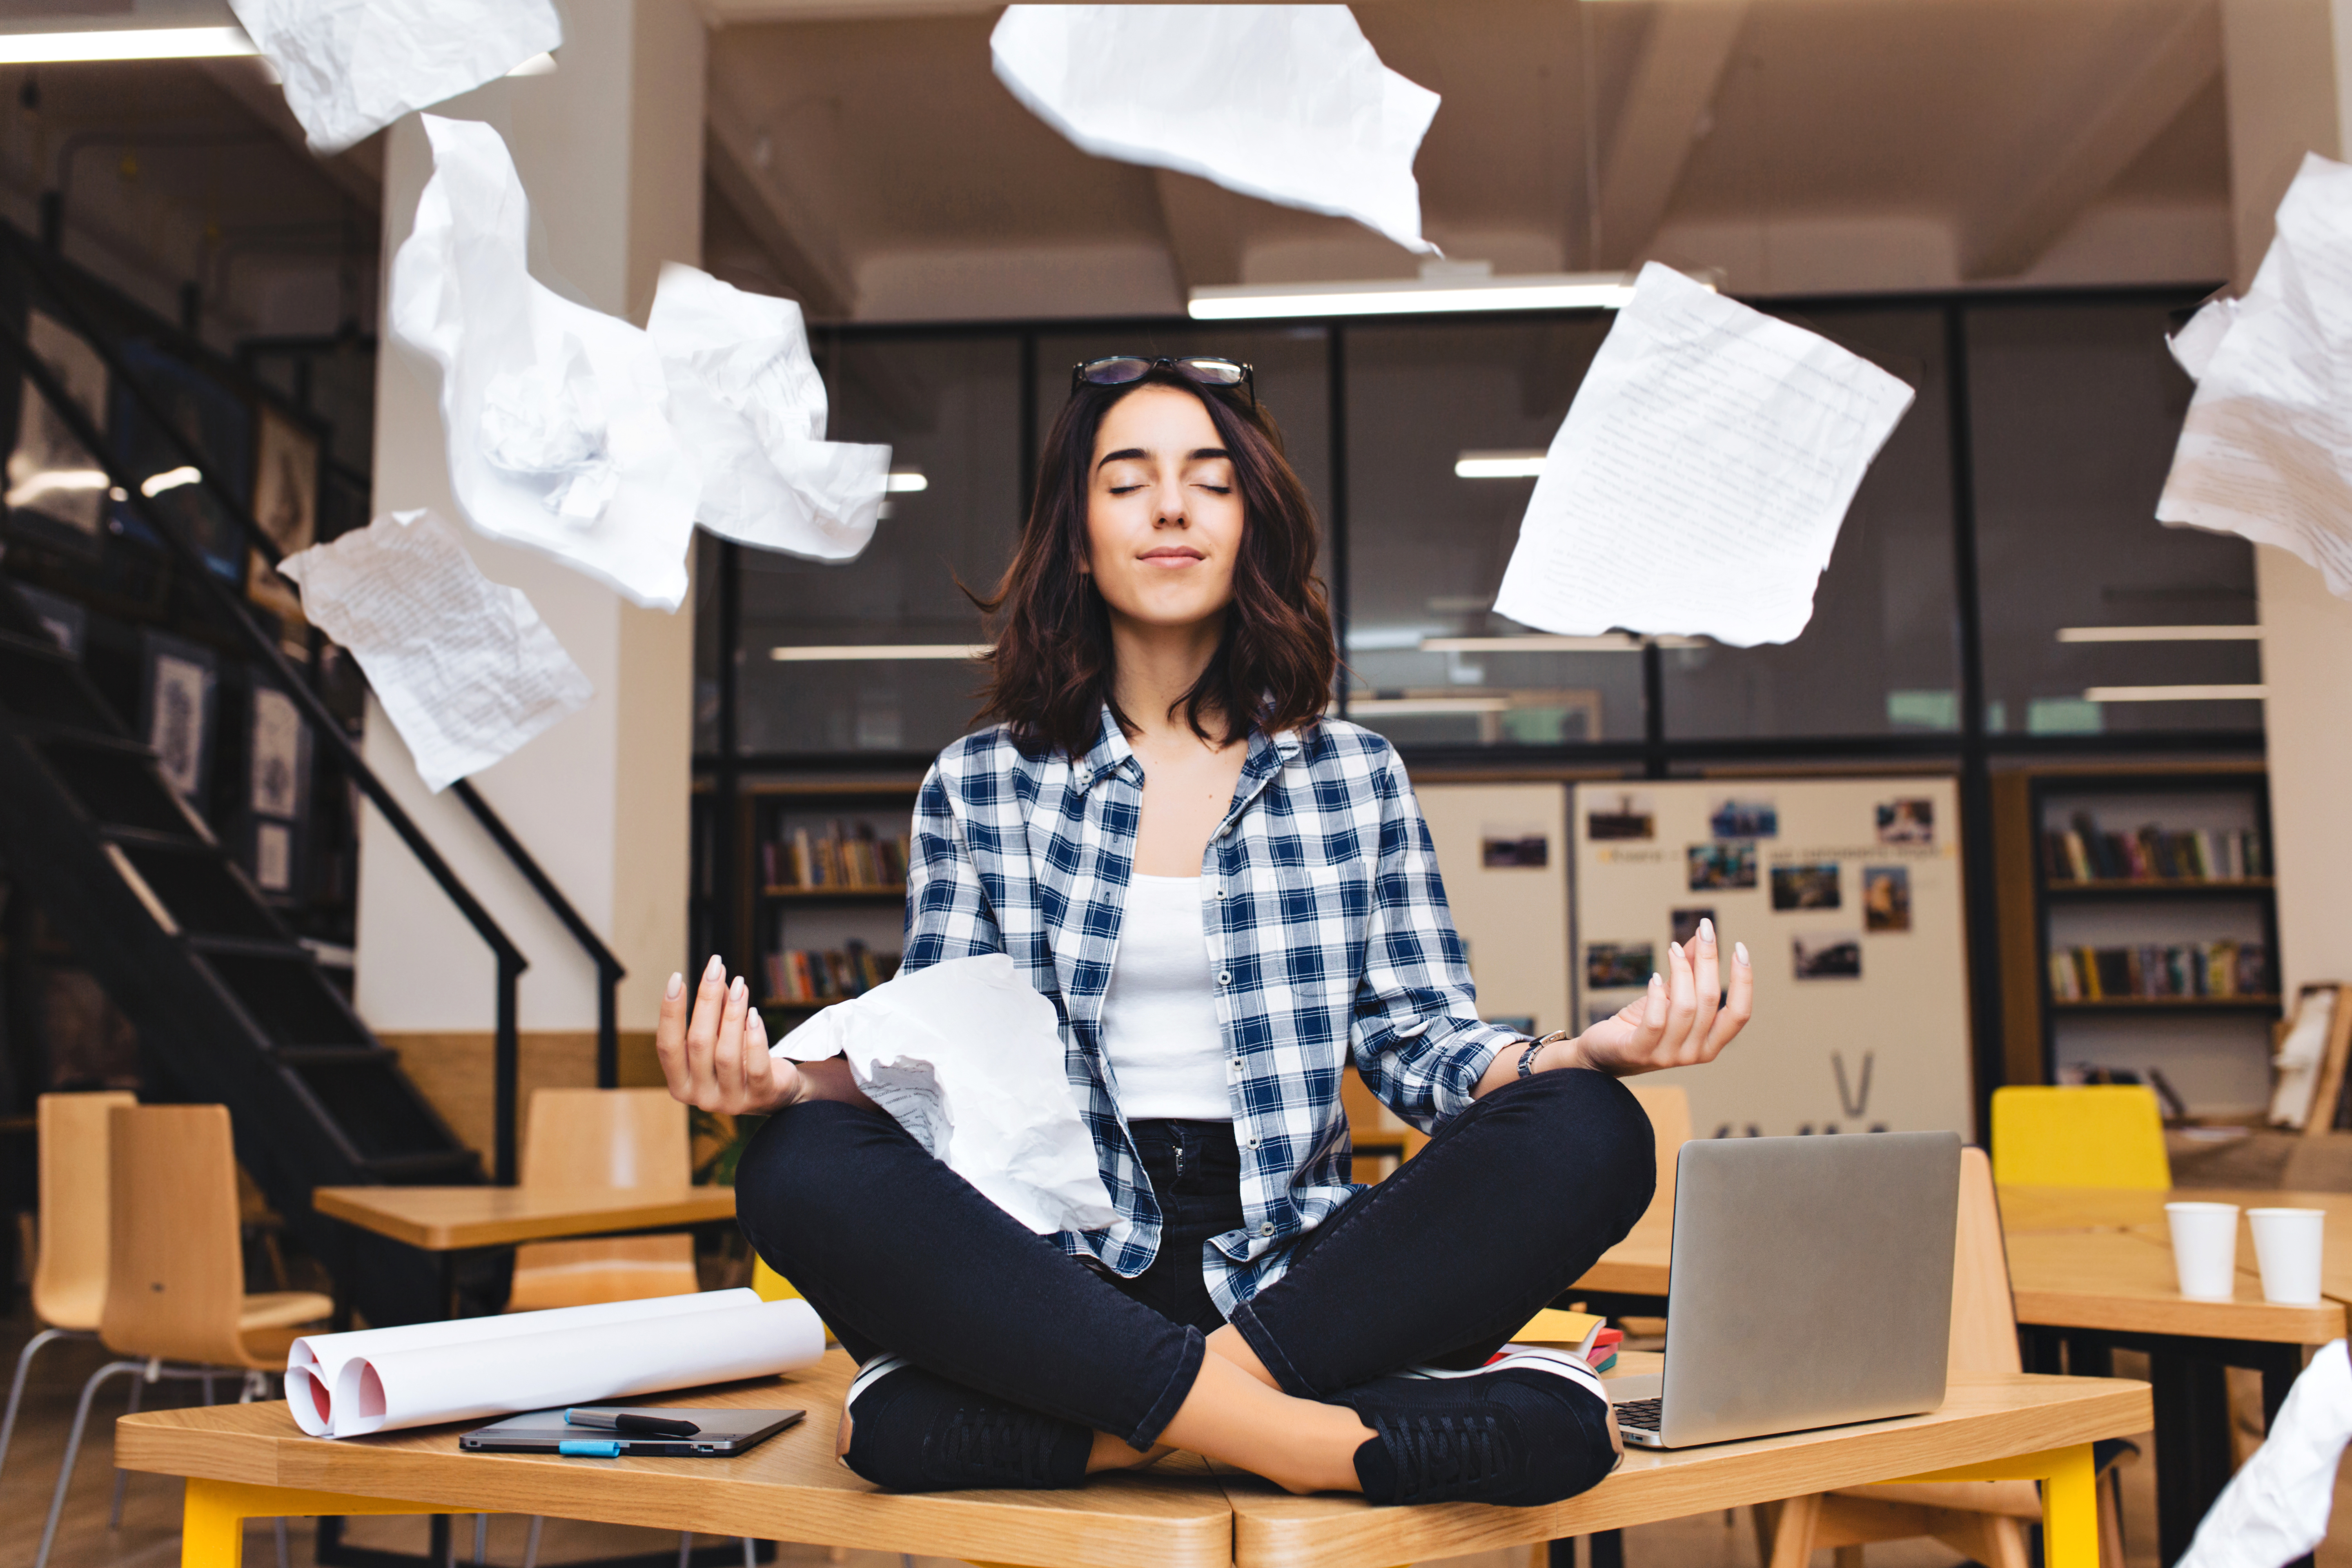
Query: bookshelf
x=2139, y=929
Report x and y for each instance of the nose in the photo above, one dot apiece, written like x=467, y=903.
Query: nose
x=1168, y=504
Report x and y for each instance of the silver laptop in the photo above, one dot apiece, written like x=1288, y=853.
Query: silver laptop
x=1811, y=1286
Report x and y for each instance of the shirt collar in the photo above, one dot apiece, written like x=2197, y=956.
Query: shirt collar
x=1111, y=755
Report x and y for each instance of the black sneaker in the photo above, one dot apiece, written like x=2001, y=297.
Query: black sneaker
x=1530, y=1427
x=914, y=1431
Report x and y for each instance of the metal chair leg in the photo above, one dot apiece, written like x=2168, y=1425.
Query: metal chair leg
x=121, y=1476
x=530, y=1545
x=24, y=1370
x=481, y=1539
x=750, y=1552
x=684, y=1547
x=73, y=1450
x=285, y=1556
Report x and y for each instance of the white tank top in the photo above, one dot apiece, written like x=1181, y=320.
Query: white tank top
x=1160, y=1015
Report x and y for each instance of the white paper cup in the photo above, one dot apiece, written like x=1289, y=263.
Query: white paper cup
x=2205, y=1249
x=2288, y=1244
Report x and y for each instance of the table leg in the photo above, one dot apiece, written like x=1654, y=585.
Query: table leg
x=2192, y=1444
x=212, y=1515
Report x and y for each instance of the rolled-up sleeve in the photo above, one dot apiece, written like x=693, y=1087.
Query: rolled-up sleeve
x=948, y=913
x=1417, y=1037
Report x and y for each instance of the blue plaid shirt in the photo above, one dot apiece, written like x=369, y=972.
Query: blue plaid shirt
x=1326, y=929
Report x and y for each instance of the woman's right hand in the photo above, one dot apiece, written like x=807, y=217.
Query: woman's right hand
x=717, y=1059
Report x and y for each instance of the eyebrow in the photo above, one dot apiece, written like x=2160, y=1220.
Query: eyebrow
x=1137, y=454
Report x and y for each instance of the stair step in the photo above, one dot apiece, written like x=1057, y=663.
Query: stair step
x=249, y=946
x=203, y=891
x=452, y=1168
x=43, y=647
x=130, y=837
x=333, y=1055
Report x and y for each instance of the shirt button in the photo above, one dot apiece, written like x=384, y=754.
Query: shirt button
x=1220, y=893
x=1251, y=1141
x=1266, y=1229
x=1224, y=977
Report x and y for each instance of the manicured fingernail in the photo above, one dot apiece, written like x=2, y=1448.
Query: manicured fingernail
x=1656, y=980
x=1740, y=954
x=714, y=968
x=736, y=990
x=1674, y=949
x=1706, y=932
x=677, y=984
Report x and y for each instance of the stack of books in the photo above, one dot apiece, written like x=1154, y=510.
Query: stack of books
x=838, y=858
x=833, y=974
x=2083, y=854
x=2217, y=969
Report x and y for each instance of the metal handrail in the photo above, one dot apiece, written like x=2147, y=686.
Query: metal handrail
x=510, y=960
x=609, y=968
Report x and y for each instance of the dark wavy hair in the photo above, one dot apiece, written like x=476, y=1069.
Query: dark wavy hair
x=1050, y=672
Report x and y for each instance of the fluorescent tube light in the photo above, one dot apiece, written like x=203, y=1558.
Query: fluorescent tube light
x=51, y=479
x=2159, y=634
x=154, y=485
x=124, y=44
x=1429, y=704
x=1498, y=465
x=877, y=652
x=906, y=480
x=1607, y=642
x=2176, y=693
x=1405, y=297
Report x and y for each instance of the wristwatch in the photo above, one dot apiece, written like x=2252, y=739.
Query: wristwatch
x=1528, y=1057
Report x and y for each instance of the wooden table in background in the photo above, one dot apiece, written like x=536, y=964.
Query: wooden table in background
x=250, y=1460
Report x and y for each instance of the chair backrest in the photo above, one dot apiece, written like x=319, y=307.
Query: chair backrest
x=69, y=1275
x=2087, y=1135
x=605, y=1138
x=1668, y=1106
x=1984, y=1312
x=769, y=1285
x=175, y=1266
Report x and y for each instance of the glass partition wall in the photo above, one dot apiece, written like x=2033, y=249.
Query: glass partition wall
x=2000, y=594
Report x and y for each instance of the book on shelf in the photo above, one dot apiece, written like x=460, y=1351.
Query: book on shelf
x=2083, y=853
x=826, y=974
x=840, y=855
x=2159, y=971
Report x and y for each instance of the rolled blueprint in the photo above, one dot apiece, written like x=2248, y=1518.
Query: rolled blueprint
x=375, y=1379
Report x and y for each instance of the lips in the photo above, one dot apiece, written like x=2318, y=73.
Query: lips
x=1173, y=553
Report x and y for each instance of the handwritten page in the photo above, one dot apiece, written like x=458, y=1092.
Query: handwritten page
x=2266, y=449
x=1700, y=477
x=557, y=415
x=351, y=67
x=1287, y=103
x=464, y=668
x=746, y=397
x=2275, y=1508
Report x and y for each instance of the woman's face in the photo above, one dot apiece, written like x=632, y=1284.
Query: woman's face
x=1163, y=513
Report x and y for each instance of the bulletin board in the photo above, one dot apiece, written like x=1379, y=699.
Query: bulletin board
x=1503, y=852
x=1847, y=892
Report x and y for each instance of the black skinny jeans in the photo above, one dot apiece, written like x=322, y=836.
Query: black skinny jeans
x=1512, y=1201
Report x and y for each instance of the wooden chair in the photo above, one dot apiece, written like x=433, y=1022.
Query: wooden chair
x=2085, y=1135
x=1979, y=1520
x=603, y=1138
x=176, y=1270
x=69, y=1274
x=1668, y=1106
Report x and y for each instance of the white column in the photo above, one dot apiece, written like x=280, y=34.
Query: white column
x=2287, y=64
x=609, y=148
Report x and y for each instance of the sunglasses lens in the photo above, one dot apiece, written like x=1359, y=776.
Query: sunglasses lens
x=1212, y=372
x=1116, y=371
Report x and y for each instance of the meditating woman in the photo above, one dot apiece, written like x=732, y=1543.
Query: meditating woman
x=1227, y=897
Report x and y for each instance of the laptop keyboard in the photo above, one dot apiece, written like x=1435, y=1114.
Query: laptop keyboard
x=1640, y=1414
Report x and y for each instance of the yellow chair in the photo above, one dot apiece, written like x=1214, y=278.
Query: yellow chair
x=769, y=1285
x=2090, y=1135
x=1667, y=1105
x=69, y=1272
x=610, y=1137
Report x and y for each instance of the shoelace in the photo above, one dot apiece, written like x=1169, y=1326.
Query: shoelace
x=1012, y=1444
x=1437, y=1457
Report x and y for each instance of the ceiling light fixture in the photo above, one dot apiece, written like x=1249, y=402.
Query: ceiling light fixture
x=1412, y=297
x=28, y=49
x=1498, y=465
x=2176, y=693
x=1607, y=642
x=854, y=653
x=49, y=480
x=2159, y=634
x=154, y=485
x=906, y=480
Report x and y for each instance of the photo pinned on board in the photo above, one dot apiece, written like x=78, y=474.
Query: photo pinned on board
x=1722, y=865
x=1618, y=965
x=1513, y=849
x=1733, y=817
x=1682, y=924
x=1813, y=886
x=1909, y=821
x=1828, y=955
x=1886, y=897
x=1629, y=816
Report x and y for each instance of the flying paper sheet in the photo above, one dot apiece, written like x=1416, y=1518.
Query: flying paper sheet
x=2192, y=346
x=353, y=66
x=1285, y=102
x=2266, y=450
x=745, y=396
x=556, y=415
x=472, y=1367
x=2275, y=1508
x=465, y=669
x=968, y=1058
x=1699, y=479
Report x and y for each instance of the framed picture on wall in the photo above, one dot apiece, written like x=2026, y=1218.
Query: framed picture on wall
x=179, y=696
x=51, y=475
x=284, y=481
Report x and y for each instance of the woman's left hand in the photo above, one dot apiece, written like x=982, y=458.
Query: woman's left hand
x=1687, y=1017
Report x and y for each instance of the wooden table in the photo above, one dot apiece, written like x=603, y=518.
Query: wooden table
x=251, y=1461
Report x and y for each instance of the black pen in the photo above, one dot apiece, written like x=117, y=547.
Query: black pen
x=631, y=1421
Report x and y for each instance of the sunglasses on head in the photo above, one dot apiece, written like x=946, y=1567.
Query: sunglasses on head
x=1121, y=370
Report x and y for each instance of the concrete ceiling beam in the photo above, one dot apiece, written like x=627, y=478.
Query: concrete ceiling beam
x=752, y=174
x=1689, y=47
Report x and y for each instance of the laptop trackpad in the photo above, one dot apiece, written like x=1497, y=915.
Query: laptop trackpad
x=1643, y=1385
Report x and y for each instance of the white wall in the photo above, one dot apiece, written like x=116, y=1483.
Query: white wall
x=610, y=150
